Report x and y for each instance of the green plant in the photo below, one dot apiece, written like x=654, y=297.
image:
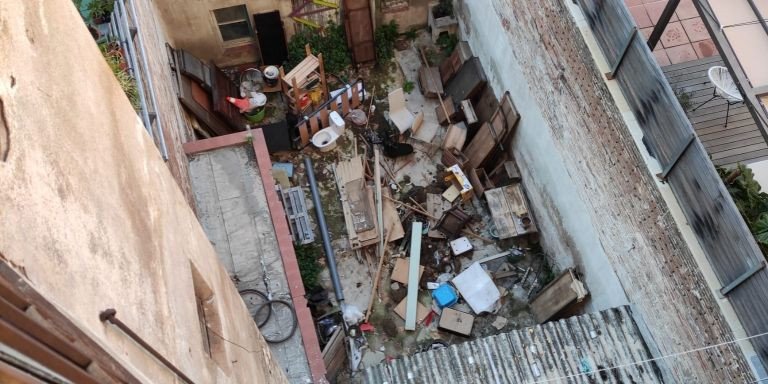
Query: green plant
x=447, y=42
x=684, y=98
x=408, y=86
x=331, y=42
x=411, y=34
x=100, y=9
x=309, y=268
x=442, y=9
x=385, y=37
x=751, y=202
x=114, y=59
x=249, y=139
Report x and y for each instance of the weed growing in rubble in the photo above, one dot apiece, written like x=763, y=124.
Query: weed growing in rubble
x=309, y=268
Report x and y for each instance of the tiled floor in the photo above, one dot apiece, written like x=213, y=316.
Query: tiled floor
x=685, y=38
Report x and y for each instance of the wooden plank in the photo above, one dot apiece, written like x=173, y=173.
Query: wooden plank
x=391, y=218
x=554, y=297
x=335, y=353
x=313, y=126
x=304, y=134
x=436, y=205
x=324, y=117
x=413, y=277
x=344, y=104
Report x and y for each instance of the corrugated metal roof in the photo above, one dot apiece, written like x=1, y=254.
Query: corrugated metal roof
x=544, y=353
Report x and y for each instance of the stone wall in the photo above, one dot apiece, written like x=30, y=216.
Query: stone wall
x=91, y=215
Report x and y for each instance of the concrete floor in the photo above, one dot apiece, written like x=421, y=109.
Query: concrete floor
x=233, y=211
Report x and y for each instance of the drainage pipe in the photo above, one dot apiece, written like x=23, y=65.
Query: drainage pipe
x=329, y=258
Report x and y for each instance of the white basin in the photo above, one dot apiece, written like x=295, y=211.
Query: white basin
x=325, y=139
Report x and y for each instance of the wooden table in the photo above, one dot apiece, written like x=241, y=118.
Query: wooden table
x=510, y=212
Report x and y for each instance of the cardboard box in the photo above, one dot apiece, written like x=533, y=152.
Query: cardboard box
x=400, y=272
x=421, y=311
x=456, y=321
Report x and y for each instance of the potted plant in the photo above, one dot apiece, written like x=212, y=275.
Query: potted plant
x=100, y=11
x=443, y=9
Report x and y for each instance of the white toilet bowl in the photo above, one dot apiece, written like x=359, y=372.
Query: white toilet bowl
x=325, y=139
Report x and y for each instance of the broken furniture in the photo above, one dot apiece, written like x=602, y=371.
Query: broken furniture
x=459, y=180
x=456, y=322
x=455, y=136
x=477, y=288
x=479, y=180
x=469, y=112
x=468, y=82
x=450, y=108
x=509, y=211
x=504, y=173
x=429, y=82
x=444, y=296
x=453, y=156
x=294, y=203
x=357, y=203
x=303, y=79
x=557, y=295
x=398, y=112
x=400, y=271
x=491, y=135
x=451, y=65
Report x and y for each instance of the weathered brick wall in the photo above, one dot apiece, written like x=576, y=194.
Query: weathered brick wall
x=606, y=174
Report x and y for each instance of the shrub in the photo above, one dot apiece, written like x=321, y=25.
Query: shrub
x=447, y=42
x=751, y=202
x=331, y=42
x=100, y=9
x=309, y=268
x=114, y=59
x=442, y=9
x=385, y=37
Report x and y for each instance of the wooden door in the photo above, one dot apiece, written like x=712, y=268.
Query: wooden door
x=359, y=28
x=269, y=29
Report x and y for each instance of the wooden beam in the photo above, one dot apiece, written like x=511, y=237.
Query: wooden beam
x=661, y=24
x=612, y=74
x=413, y=277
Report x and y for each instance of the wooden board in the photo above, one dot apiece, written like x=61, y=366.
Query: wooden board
x=400, y=271
x=554, y=297
x=436, y=206
x=356, y=203
x=421, y=311
x=486, y=141
x=391, y=218
x=359, y=30
x=508, y=207
x=429, y=82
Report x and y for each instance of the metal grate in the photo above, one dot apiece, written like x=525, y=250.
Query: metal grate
x=295, y=207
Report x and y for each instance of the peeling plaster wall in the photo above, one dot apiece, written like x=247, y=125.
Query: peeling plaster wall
x=567, y=231
x=91, y=215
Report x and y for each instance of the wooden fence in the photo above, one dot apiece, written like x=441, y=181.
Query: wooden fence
x=342, y=102
x=727, y=242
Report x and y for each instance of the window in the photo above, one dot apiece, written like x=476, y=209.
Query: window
x=233, y=22
x=208, y=319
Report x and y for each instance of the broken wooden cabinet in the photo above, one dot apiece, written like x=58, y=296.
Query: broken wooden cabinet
x=509, y=211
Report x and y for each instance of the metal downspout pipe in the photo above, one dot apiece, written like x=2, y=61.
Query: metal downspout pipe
x=329, y=257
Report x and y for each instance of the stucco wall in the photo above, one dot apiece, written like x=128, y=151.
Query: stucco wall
x=191, y=25
x=91, y=215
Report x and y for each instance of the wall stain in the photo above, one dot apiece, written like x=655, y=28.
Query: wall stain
x=5, y=133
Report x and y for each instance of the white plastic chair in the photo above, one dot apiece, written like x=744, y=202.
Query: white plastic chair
x=724, y=87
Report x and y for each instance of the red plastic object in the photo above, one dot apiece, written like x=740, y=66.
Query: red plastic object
x=241, y=104
x=366, y=327
x=429, y=318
